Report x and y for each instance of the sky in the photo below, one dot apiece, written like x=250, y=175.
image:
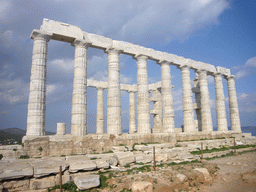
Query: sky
x=218, y=32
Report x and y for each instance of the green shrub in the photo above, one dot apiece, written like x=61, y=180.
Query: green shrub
x=24, y=157
x=40, y=149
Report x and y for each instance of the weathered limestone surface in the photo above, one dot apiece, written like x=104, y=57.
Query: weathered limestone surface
x=205, y=102
x=87, y=181
x=13, y=170
x=79, y=104
x=100, y=111
x=143, y=96
x=167, y=99
x=114, y=123
x=233, y=105
x=142, y=186
x=42, y=183
x=220, y=104
x=47, y=166
x=86, y=165
x=37, y=90
x=124, y=158
x=18, y=185
x=188, y=112
x=61, y=128
x=157, y=111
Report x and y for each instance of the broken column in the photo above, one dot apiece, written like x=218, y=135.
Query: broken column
x=220, y=103
x=114, y=122
x=79, y=104
x=37, y=90
x=61, y=128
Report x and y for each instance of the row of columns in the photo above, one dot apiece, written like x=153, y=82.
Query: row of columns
x=37, y=95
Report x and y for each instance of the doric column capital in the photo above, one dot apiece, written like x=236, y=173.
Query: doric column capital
x=164, y=62
x=37, y=34
x=81, y=43
x=217, y=74
x=140, y=57
x=182, y=67
x=229, y=77
x=113, y=50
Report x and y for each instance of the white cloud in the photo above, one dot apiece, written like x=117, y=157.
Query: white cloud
x=64, y=65
x=247, y=69
x=50, y=89
x=210, y=79
x=4, y=8
x=13, y=91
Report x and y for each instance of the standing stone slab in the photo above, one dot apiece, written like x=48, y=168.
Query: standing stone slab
x=87, y=181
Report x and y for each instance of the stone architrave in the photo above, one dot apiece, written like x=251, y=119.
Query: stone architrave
x=143, y=110
x=233, y=105
x=114, y=122
x=79, y=104
x=205, y=102
x=188, y=112
x=132, y=112
x=220, y=104
x=37, y=90
x=167, y=98
x=100, y=111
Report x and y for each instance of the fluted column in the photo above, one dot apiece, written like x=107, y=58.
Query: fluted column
x=188, y=111
x=100, y=111
x=233, y=105
x=167, y=98
x=79, y=104
x=205, y=102
x=114, y=121
x=132, y=112
x=158, y=114
x=37, y=90
x=143, y=96
x=220, y=104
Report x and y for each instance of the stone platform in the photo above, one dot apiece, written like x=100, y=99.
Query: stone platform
x=60, y=145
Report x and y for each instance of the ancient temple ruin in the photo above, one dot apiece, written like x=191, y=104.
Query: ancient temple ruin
x=164, y=127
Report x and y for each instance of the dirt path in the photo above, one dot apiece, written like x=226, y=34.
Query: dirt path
x=229, y=176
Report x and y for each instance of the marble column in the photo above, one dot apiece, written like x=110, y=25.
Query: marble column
x=220, y=104
x=167, y=98
x=114, y=120
x=233, y=105
x=132, y=112
x=143, y=110
x=37, y=90
x=157, y=99
x=197, y=107
x=188, y=111
x=100, y=111
x=205, y=102
x=79, y=103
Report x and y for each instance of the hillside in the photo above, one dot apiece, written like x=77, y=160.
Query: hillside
x=14, y=136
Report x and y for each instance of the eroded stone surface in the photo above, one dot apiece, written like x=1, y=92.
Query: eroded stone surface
x=87, y=181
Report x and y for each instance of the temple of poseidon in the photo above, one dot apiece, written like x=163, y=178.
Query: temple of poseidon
x=164, y=131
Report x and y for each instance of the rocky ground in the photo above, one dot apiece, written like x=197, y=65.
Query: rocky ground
x=233, y=173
